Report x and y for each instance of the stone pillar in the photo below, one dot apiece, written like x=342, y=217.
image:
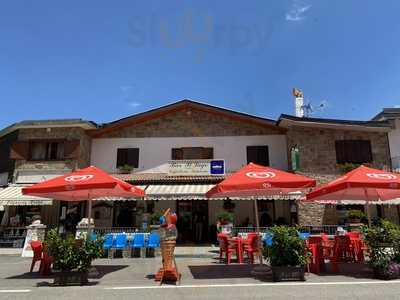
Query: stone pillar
x=310, y=214
x=34, y=232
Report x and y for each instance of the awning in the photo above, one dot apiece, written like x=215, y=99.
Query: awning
x=30, y=177
x=143, y=187
x=178, y=192
x=12, y=196
x=198, y=192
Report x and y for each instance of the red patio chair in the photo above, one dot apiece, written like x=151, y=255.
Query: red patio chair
x=37, y=249
x=47, y=261
x=228, y=248
x=315, y=246
x=252, y=247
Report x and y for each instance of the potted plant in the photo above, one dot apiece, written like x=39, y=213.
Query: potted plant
x=288, y=254
x=225, y=222
x=125, y=169
x=229, y=205
x=355, y=216
x=72, y=258
x=383, y=241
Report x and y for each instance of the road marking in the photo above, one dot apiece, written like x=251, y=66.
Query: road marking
x=278, y=284
x=15, y=291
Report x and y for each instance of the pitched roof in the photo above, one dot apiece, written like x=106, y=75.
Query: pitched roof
x=287, y=120
x=49, y=123
x=180, y=105
x=388, y=113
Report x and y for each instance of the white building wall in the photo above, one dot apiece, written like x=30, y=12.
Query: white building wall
x=157, y=151
x=394, y=144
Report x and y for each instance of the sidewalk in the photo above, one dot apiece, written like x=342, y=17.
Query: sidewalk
x=14, y=273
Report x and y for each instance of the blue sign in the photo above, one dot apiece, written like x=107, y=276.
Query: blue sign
x=217, y=167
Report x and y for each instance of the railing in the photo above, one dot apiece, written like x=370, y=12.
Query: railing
x=313, y=229
x=104, y=230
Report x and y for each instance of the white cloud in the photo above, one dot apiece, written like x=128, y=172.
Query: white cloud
x=297, y=12
x=134, y=104
x=125, y=88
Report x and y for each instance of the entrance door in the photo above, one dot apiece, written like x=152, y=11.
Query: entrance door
x=192, y=221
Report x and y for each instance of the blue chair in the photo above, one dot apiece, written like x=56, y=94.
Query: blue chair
x=93, y=237
x=139, y=242
x=108, y=243
x=268, y=239
x=121, y=241
x=154, y=241
x=304, y=235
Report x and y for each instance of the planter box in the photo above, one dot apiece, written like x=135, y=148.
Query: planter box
x=287, y=273
x=70, y=278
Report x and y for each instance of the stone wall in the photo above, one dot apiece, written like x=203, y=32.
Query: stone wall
x=66, y=133
x=191, y=123
x=317, y=147
x=318, y=161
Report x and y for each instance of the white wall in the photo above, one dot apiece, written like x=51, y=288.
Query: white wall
x=156, y=151
x=394, y=140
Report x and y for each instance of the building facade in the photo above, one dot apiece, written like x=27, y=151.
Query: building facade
x=143, y=148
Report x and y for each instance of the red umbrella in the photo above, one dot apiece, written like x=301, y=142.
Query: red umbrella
x=361, y=185
x=83, y=185
x=255, y=180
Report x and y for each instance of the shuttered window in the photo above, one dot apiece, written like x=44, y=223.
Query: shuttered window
x=46, y=150
x=192, y=153
x=353, y=151
x=258, y=155
x=128, y=156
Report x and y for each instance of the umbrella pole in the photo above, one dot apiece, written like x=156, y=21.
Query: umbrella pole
x=258, y=230
x=89, y=229
x=368, y=208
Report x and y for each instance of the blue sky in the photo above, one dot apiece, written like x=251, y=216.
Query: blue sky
x=103, y=60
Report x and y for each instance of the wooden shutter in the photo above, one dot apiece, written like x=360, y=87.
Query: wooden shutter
x=251, y=154
x=122, y=157
x=177, y=154
x=258, y=155
x=208, y=153
x=71, y=149
x=133, y=157
x=19, y=150
x=340, y=152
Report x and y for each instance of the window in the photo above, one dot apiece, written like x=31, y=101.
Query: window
x=353, y=151
x=192, y=153
x=128, y=156
x=47, y=151
x=258, y=155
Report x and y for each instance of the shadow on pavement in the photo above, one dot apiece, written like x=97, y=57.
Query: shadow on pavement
x=96, y=272
x=221, y=271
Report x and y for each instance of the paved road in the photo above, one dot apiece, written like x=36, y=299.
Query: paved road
x=303, y=291
x=202, y=279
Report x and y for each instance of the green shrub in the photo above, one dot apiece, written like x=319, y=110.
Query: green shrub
x=287, y=248
x=383, y=240
x=347, y=167
x=355, y=214
x=225, y=217
x=155, y=218
x=70, y=254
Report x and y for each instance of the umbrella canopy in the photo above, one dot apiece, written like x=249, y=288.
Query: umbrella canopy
x=361, y=184
x=84, y=184
x=255, y=180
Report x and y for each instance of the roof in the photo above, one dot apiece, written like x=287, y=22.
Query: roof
x=180, y=105
x=48, y=123
x=388, y=113
x=288, y=120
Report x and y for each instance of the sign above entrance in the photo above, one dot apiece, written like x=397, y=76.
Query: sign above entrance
x=194, y=167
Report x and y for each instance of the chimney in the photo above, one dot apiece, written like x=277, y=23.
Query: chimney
x=298, y=102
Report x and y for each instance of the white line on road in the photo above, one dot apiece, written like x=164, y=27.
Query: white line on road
x=15, y=291
x=250, y=285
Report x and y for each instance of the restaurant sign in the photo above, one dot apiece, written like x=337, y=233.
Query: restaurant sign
x=196, y=167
